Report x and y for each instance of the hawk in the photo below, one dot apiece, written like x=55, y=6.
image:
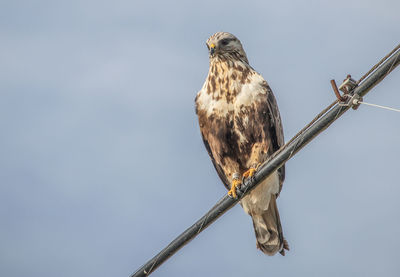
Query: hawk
x=241, y=127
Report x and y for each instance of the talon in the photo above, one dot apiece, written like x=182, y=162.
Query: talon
x=251, y=171
x=235, y=184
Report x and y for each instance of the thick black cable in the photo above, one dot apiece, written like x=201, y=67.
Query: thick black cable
x=325, y=119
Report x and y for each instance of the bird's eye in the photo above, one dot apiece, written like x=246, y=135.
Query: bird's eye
x=224, y=42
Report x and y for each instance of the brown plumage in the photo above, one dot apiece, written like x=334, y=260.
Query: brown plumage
x=241, y=127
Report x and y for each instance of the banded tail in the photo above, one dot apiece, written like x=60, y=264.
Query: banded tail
x=268, y=229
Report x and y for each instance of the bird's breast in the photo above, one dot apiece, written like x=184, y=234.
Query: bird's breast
x=234, y=100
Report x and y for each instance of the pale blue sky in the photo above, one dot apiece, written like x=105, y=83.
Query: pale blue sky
x=101, y=160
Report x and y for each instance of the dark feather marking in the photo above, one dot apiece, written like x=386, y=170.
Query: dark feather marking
x=212, y=82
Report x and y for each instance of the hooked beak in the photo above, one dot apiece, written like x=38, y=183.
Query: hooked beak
x=212, y=49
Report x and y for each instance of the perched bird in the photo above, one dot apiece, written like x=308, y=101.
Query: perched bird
x=241, y=127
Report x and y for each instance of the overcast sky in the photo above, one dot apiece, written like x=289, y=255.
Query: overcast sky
x=101, y=160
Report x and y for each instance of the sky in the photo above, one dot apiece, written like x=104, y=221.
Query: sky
x=101, y=159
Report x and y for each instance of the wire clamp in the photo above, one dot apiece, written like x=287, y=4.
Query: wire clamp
x=348, y=85
x=354, y=101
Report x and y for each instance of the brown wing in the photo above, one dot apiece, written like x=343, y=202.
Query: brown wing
x=217, y=166
x=275, y=127
x=208, y=132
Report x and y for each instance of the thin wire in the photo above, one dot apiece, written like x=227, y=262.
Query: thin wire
x=336, y=101
x=379, y=106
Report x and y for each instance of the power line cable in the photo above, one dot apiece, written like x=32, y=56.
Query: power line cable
x=322, y=121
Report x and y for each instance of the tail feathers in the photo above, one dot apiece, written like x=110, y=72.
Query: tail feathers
x=268, y=229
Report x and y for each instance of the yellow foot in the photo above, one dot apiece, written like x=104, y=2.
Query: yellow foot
x=235, y=183
x=251, y=171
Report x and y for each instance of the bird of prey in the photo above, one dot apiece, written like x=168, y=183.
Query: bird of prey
x=241, y=127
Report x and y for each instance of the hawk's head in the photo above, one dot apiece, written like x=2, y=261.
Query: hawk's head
x=223, y=44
